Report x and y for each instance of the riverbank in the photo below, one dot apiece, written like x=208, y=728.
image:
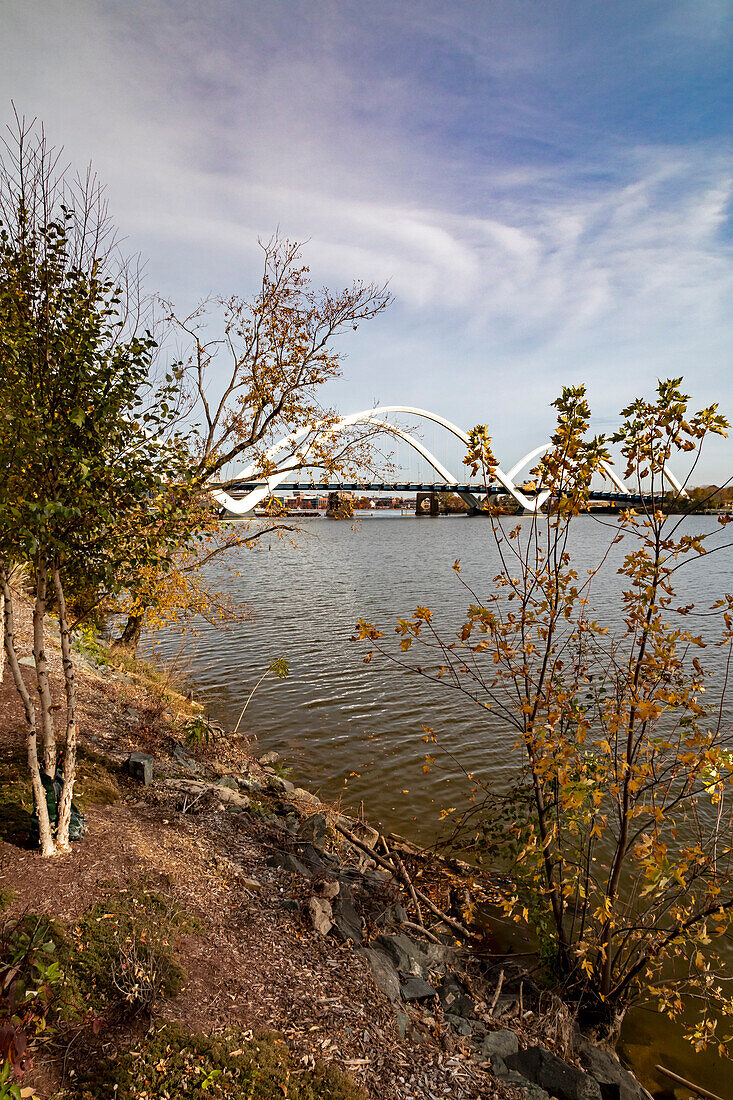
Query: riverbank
x=291, y=918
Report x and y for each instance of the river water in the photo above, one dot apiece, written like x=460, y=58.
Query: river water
x=352, y=730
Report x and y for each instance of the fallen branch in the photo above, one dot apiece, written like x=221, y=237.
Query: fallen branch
x=497, y=993
x=406, y=879
x=454, y=924
x=419, y=928
x=689, y=1085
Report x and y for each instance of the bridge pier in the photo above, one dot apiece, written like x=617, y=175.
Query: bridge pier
x=427, y=504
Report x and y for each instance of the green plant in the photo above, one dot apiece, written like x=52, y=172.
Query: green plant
x=88, y=451
x=175, y=1063
x=201, y=731
x=96, y=784
x=280, y=668
x=29, y=977
x=121, y=956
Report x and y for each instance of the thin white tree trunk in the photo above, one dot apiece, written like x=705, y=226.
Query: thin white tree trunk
x=62, y=831
x=39, y=653
x=48, y=847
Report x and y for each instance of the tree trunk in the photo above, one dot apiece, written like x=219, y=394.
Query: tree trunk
x=2, y=636
x=601, y=1022
x=130, y=636
x=39, y=654
x=62, y=831
x=39, y=795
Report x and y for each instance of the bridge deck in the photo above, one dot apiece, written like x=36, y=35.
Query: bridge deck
x=477, y=490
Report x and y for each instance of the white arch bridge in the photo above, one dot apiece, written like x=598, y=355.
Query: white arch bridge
x=255, y=488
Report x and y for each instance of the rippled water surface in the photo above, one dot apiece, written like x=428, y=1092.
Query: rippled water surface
x=354, y=730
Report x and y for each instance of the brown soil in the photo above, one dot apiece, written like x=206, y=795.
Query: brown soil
x=253, y=964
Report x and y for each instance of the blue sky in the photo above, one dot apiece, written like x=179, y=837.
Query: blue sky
x=547, y=184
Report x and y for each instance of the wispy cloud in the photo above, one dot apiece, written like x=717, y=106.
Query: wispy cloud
x=536, y=227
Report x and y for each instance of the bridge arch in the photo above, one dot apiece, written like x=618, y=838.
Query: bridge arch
x=269, y=484
x=374, y=416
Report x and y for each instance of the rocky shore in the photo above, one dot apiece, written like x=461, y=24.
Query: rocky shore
x=342, y=941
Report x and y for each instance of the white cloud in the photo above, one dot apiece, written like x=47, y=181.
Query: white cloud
x=215, y=124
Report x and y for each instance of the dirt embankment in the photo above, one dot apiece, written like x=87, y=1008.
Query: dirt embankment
x=293, y=928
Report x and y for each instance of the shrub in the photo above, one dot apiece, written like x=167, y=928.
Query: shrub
x=29, y=975
x=121, y=955
x=175, y=1064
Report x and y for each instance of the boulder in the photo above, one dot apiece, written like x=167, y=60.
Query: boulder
x=417, y=991
x=316, y=857
x=320, y=913
x=290, y=905
x=247, y=783
x=403, y=1022
x=328, y=889
x=228, y=781
x=188, y=786
x=499, y=1044
x=231, y=797
x=287, y=862
x=346, y=920
x=384, y=974
x=277, y=783
x=139, y=765
x=363, y=832
x=455, y=997
x=409, y=959
x=439, y=955
x=604, y=1066
x=270, y=757
x=181, y=758
x=543, y=1068
x=314, y=829
x=458, y=1023
x=304, y=795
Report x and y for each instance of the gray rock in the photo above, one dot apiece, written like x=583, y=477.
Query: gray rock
x=616, y=1082
x=139, y=765
x=316, y=857
x=384, y=974
x=543, y=1068
x=499, y=1044
x=303, y=794
x=439, y=955
x=534, y=1092
x=314, y=829
x=277, y=783
x=346, y=920
x=455, y=997
x=405, y=954
x=418, y=991
x=290, y=905
x=459, y=1025
x=228, y=781
x=26, y=662
x=530, y=1091
x=320, y=914
x=270, y=757
x=252, y=786
x=287, y=862
x=403, y=1022
x=182, y=759
x=231, y=797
